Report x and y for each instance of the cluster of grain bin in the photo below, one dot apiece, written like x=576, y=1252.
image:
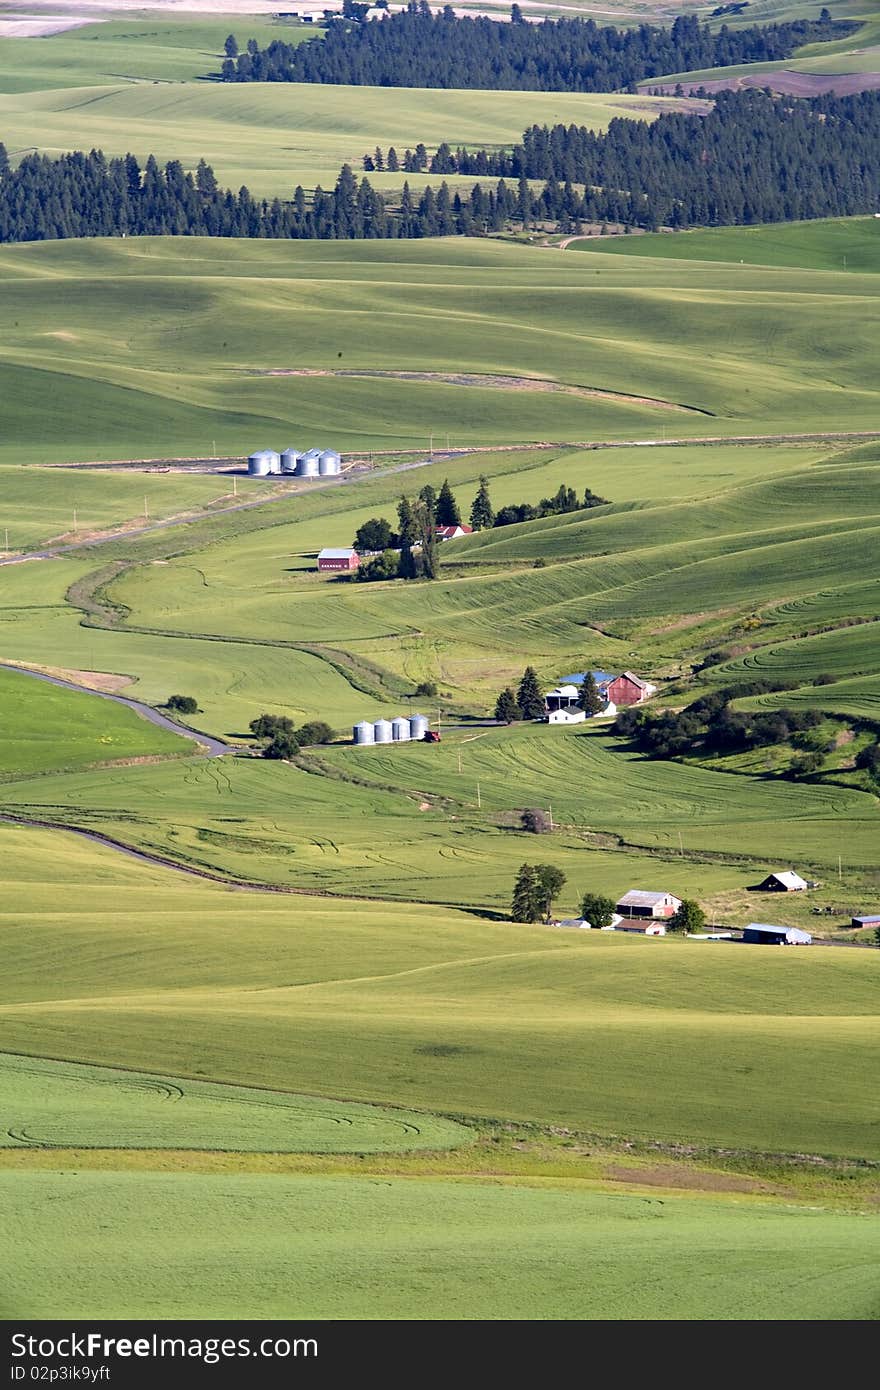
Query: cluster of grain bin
x=314, y=463
x=398, y=730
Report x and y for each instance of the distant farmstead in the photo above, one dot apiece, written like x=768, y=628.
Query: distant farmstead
x=330, y=559
x=452, y=533
x=783, y=881
x=640, y=902
x=561, y=706
x=764, y=934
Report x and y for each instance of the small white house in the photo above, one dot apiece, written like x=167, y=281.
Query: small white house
x=656, y=929
x=566, y=716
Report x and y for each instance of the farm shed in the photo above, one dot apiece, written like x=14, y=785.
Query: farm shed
x=763, y=934
x=628, y=689
x=566, y=716
x=871, y=920
x=639, y=902
x=561, y=697
x=330, y=559
x=452, y=533
x=783, y=881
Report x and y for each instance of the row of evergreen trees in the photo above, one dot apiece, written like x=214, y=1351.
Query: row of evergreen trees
x=753, y=158
x=416, y=48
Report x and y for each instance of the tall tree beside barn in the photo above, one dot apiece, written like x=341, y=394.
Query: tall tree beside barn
x=506, y=708
x=529, y=696
x=482, y=513
x=589, y=699
x=526, y=904
x=448, y=513
x=689, y=918
x=426, y=530
x=551, y=882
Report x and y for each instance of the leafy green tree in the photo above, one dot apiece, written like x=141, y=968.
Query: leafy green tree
x=526, y=905
x=506, y=709
x=482, y=513
x=428, y=689
x=596, y=910
x=589, y=698
x=551, y=881
x=448, y=513
x=384, y=566
x=313, y=732
x=426, y=530
x=282, y=747
x=529, y=696
x=535, y=821
x=266, y=726
x=183, y=704
x=230, y=47
x=375, y=534
x=689, y=918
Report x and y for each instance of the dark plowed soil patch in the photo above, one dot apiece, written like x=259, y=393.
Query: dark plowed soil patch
x=673, y=1175
x=790, y=84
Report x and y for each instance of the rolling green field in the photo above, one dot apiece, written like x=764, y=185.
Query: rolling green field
x=292, y=1027
x=406, y=1249
x=60, y=1105
x=183, y=370
x=46, y=728
x=850, y=243
x=437, y=1010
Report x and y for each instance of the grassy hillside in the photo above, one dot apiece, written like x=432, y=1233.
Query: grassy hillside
x=436, y=1010
x=46, y=728
x=273, y=136
x=836, y=243
x=197, y=326
x=348, y=1249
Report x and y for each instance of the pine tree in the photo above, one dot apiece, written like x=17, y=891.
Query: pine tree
x=506, y=708
x=4, y=160
x=448, y=513
x=230, y=48
x=550, y=881
x=589, y=698
x=482, y=515
x=529, y=696
x=429, y=496
x=526, y=904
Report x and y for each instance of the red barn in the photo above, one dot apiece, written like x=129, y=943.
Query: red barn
x=452, y=533
x=330, y=559
x=629, y=690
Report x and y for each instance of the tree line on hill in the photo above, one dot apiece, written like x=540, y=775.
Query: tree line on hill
x=710, y=727
x=416, y=48
x=752, y=158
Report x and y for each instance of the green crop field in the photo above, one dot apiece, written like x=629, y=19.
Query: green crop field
x=46, y=728
x=324, y=1248
x=834, y=243
x=59, y=1105
x=433, y=1009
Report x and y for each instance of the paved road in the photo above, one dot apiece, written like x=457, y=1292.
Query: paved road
x=213, y=747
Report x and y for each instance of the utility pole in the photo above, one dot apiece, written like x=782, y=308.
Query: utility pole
x=234, y=485
x=839, y=867
x=550, y=809
x=459, y=760
x=214, y=446
x=680, y=845
x=146, y=510
x=6, y=547
x=431, y=446
x=479, y=802
x=74, y=520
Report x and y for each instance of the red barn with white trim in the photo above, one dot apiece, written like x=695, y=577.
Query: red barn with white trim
x=330, y=559
x=629, y=690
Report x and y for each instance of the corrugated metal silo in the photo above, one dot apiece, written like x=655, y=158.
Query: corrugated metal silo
x=273, y=459
x=308, y=466
x=363, y=732
x=418, y=726
x=382, y=731
x=289, y=460
x=258, y=464
x=329, y=463
x=400, y=730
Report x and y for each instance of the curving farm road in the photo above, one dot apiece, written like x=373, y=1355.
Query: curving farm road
x=212, y=747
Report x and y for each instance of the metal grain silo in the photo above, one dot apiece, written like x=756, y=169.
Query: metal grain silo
x=258, y=464
x=400, y=730
x=329, y=463
x=289, y=460
x=273, y=459
x=308, y=466
x=382, y=731
x=418, y=726
x=363, y=732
